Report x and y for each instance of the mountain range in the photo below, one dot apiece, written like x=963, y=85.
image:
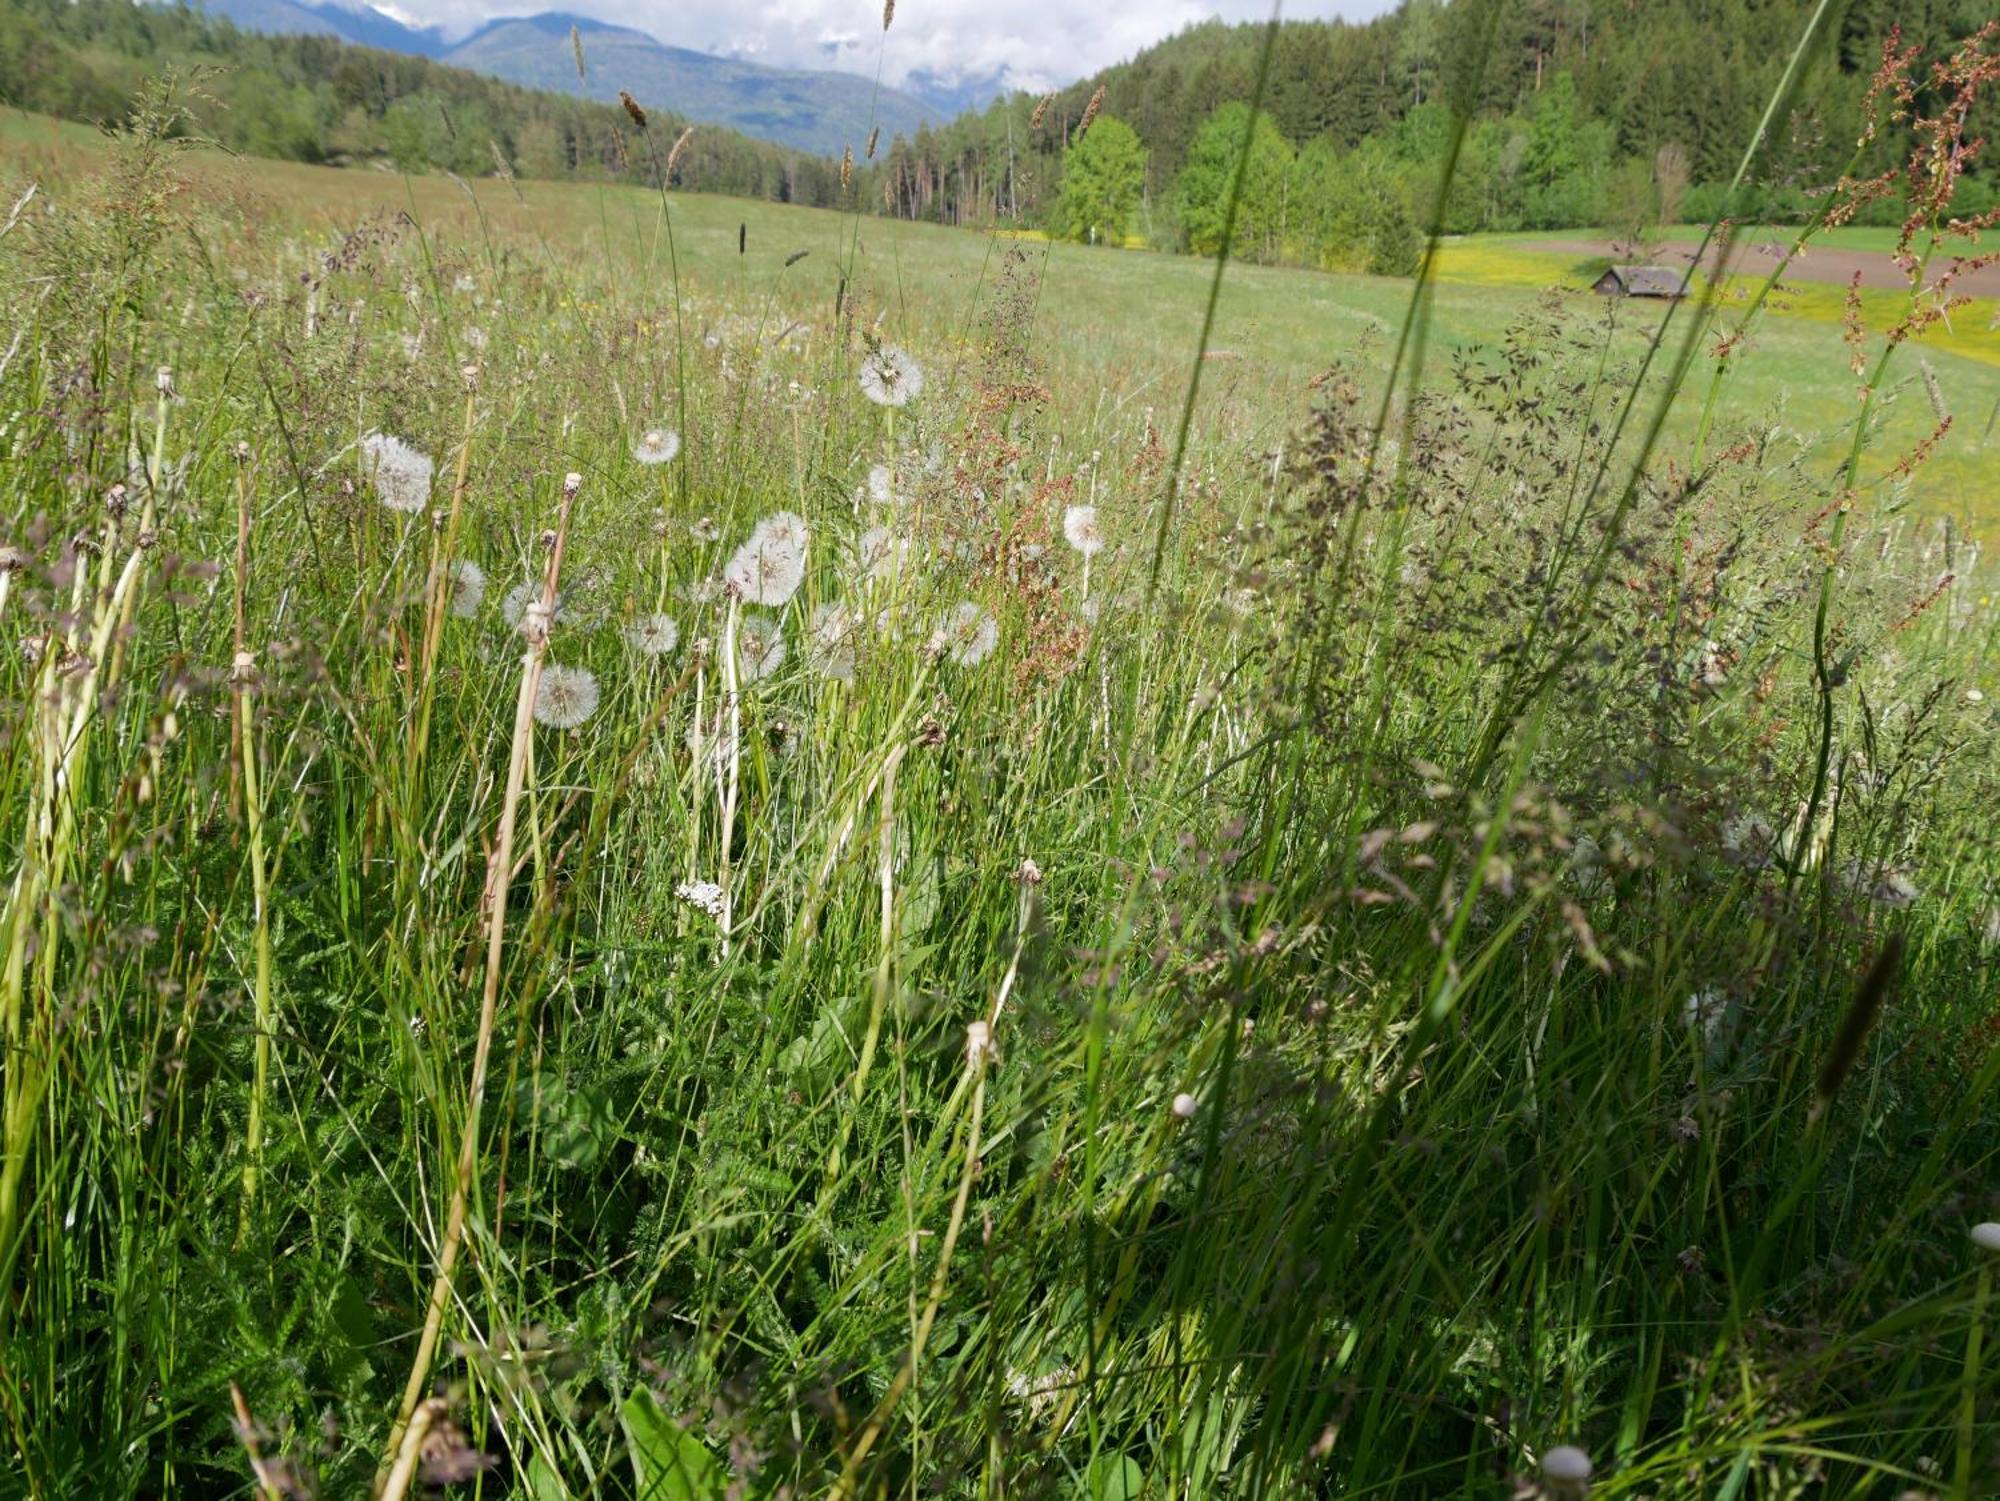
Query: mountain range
x=821, y=112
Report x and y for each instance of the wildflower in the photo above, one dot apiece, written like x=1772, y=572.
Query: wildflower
x=890, y=378
x=464, y=283
x=468, y=588
x=768, y=569
x=970, y=634
x=400, y=473
x=1081, y=527
x=831, y=648
x=1185, y=1106
x=978, y=1043
x=1986, y=1236
x=653, y=635
x=705, y=895
x=1749, y=840
x=882, y=485
x=656, y=445
x=760, y=647
x=565, y=697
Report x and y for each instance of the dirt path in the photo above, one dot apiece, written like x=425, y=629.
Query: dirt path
x=1821, y=263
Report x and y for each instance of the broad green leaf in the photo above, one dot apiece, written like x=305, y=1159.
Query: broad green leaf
x=673, y=1464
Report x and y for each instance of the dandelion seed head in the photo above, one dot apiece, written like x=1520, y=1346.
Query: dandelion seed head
x=565, y=697
x=653, y=635
x=768, y=569
x=656, y=445
x=400, y=473
x=1185, y=1106
x=760, y=647
x=514, y=604
x=1566, y=1463
x=881, y=553
x=890, y=378
x=970, y=634
x=978, y=1043
x=468, y=588
x=881, y=485
x=1081, y=528
x=1749, y=840
x=1986, y=1236
x=1706, y=1011
x=830, y=647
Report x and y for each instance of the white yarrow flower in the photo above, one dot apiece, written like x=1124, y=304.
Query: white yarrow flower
x=653, y=635
x=656, y=445
x=760, y=647
x=890, y=378
x=705, y=895
x=565, y=697
x=768, y=569
x=1081, y=528
x=969, y=634
x=468, y=588
x=400, y=473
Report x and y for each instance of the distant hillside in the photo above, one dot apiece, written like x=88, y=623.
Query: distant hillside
x=306, y=95
x=813, y=111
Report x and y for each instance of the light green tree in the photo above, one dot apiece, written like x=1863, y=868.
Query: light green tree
x=1104, y=174
x=1201, y=197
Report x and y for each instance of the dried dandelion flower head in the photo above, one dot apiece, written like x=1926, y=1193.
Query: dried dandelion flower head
x=1083, y=531
x=514, y=605
x=400, y=473
x=656, y=445
x=760, y=647
x=468, y=588
x=768, y=569
x=565, y=697
x=890, y=378
x=969, y=634
x=653, y=635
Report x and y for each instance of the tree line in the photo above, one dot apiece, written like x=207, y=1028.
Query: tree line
x=317, y=99
x=1614, y=113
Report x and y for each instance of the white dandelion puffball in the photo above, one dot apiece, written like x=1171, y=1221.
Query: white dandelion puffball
x=890, y=378
x=1586, y=867
x=704, y=895
x=1705, y=1011
x=1081, y=527
x=882, y=485
x=401, y=474
x=656, y=445
x=970, y=634
x=653, y=635
x=768, y=569
x=1566, y=1463
x=831, y=645
x=468, y=589
x=1986, y=1236
x=1185, y=1106
x=1885, y=887
x=1749, y=841
x=760, y=647
x=880, y=553
x=565, y=697
x=514, y=604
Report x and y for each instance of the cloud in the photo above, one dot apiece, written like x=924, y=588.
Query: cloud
x=1037, y=43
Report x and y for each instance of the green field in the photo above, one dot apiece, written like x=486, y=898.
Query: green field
x=673, y=849
x=1119, y=323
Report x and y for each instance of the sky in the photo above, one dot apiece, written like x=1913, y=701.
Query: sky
x=1040, y=43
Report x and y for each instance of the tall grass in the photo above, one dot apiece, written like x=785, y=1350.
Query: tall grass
x=1469, y=939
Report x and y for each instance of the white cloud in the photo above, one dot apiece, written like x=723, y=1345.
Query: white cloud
x=1040, y=44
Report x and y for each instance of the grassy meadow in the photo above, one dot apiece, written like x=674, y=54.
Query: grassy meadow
x=670, y=848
